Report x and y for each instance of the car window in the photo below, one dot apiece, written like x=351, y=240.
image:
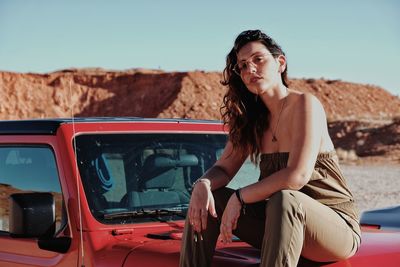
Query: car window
x=27, y=169
x=247, y=174
x=143, y=172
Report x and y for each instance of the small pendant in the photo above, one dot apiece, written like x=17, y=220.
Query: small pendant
x=274, y=138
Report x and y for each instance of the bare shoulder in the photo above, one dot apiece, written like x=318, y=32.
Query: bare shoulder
x=306, y=102
x=307, y=107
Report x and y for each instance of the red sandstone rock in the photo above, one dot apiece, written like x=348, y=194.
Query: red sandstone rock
x=196, y=95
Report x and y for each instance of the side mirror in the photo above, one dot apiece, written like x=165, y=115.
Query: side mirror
x=32, y=215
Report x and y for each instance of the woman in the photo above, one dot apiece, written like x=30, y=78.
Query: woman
x=301, y=205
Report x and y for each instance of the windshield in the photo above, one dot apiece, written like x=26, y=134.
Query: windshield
x=145, y=177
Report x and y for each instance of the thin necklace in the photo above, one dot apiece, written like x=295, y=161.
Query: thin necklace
x=274, y=139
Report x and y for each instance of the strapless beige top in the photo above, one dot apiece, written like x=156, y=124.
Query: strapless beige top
x=326, y=185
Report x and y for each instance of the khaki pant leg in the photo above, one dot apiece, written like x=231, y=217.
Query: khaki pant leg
x=197, y=249
x=250, y=229
x=327, y=236
x=250, y=226
x=299, y=225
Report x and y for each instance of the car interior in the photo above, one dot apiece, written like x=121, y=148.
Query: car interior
x=138, y=173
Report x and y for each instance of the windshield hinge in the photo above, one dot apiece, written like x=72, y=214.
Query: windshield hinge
x=122, y=232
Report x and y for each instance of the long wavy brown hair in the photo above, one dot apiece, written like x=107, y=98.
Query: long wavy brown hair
x=247, y=117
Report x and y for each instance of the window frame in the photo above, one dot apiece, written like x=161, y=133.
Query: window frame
x=29, y=142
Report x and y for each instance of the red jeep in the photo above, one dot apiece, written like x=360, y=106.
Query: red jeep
x=115, y=191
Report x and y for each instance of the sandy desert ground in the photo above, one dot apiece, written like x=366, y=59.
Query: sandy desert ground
x=374, y=186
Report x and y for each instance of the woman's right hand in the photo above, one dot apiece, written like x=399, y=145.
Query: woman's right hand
x=201, y=203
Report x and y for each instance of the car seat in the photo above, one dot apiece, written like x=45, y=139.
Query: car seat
x=159, y=182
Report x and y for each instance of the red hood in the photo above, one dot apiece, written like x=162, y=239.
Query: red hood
x=155, y=252
x=378, y=248
x=160, y=246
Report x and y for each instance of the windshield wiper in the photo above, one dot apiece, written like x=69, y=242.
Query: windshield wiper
x=154, y=213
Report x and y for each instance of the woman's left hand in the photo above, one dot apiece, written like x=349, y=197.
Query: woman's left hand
x=230, y=218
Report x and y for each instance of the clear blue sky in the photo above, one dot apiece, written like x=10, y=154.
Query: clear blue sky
x=356, y=41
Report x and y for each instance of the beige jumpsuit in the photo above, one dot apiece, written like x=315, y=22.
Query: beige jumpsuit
x=317, y=223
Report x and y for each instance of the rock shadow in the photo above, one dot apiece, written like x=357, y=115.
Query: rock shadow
x=134, y=95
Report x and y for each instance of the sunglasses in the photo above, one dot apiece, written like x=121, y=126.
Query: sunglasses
x=255, y=60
